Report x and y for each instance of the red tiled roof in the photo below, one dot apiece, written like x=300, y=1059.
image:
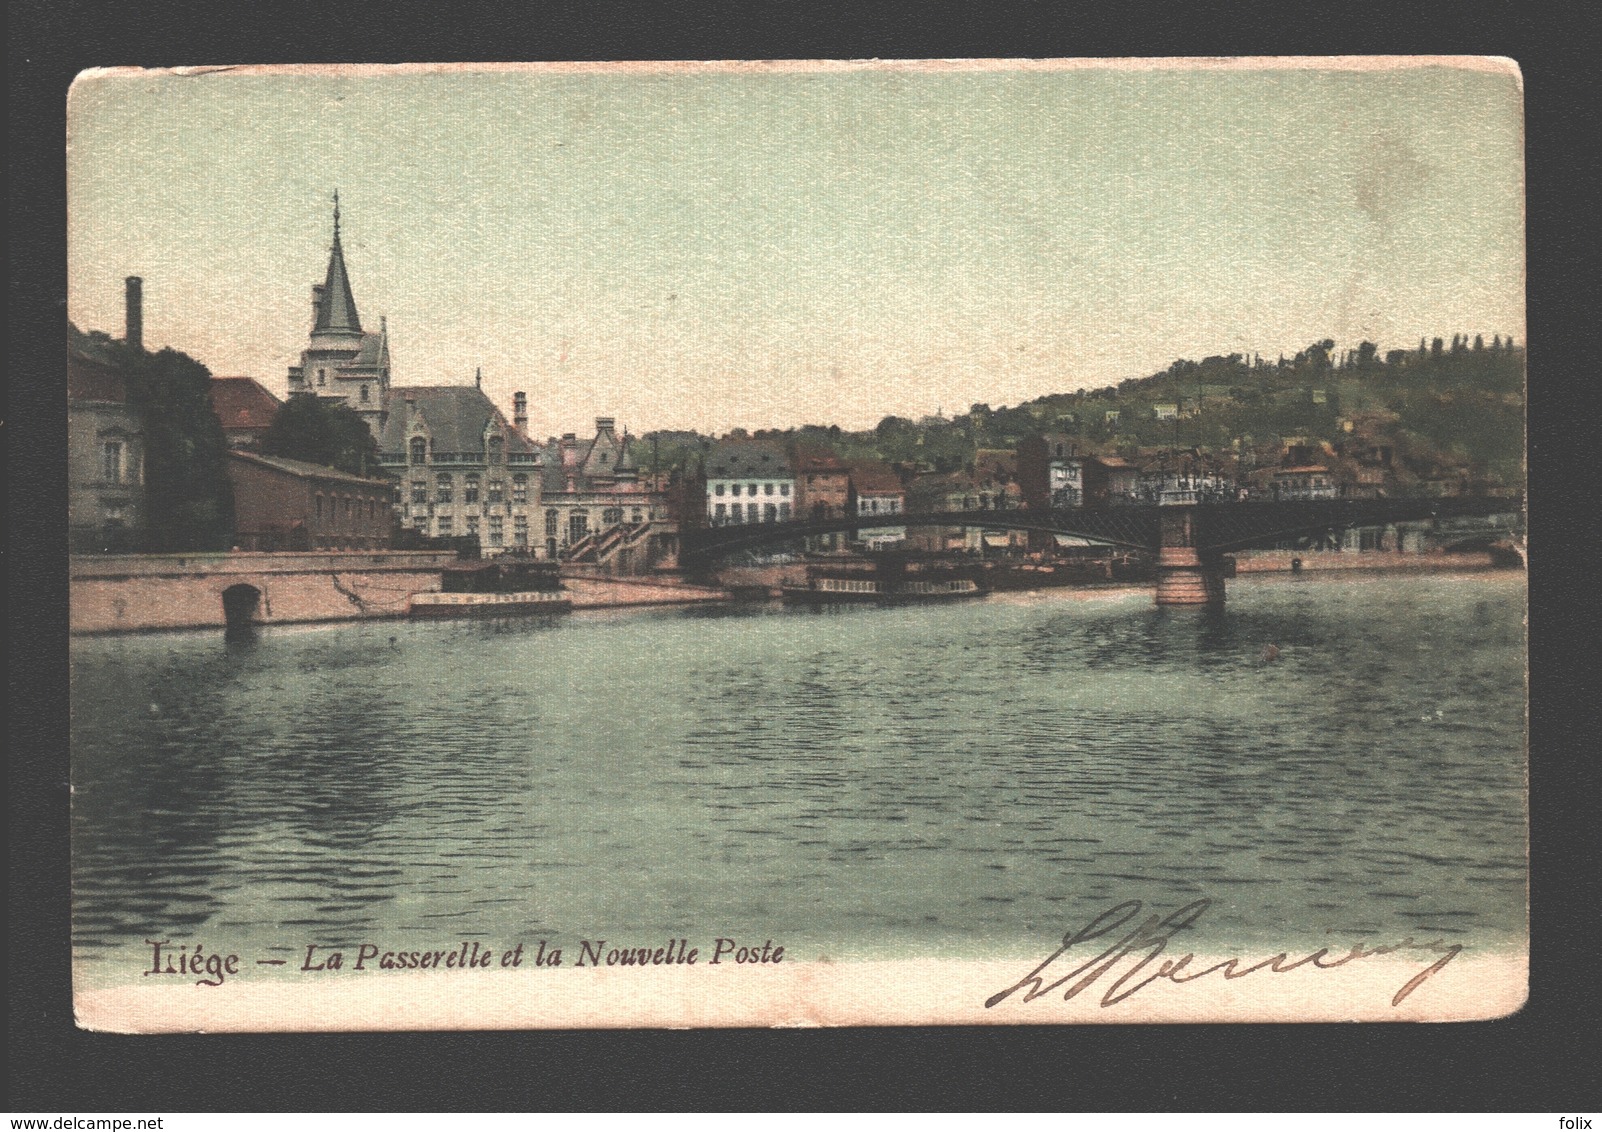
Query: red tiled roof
x=875, y=479
x=243, y=403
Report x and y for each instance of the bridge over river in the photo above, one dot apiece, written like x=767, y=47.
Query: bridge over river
x=1188, y=538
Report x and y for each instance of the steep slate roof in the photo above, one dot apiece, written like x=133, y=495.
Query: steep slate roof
x=374, y=351
x=747, y=460
x=336, y=310
x=456, y=416
x=304, y=470
x=243, y=402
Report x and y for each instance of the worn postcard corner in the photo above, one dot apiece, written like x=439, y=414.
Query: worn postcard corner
x=715, y=544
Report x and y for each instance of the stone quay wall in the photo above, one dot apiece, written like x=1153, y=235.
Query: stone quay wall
x=1266, y=561
x=134, y=592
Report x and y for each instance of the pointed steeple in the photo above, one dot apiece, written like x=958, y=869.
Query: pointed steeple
x=336, y=307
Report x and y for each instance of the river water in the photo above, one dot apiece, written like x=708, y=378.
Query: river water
x=954, y=781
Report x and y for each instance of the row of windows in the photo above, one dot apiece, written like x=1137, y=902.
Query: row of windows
x=871, y=506
x=751, y=513
x=445, y=488
x=333, y=508
x=495, y=446
x=751, y=489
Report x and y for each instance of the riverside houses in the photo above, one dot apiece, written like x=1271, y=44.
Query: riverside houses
x=823, y=491
x=463, y=468
x=105, y=450
x=878, y=491
x=749, y=482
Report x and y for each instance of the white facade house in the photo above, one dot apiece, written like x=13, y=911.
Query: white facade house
x=749, y=482
x=878, y=491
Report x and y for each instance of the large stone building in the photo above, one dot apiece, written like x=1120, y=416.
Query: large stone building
x=593, y=486
x=464, y=469
x=342, y=360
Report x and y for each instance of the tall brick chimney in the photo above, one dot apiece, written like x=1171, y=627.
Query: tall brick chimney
x=134, y=332
x=520, y=411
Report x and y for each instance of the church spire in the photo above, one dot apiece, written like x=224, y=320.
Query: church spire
x=336, y=306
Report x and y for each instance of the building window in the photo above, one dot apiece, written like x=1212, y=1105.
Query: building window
x=753, y=512
x=638, y=518
x=319, y=509
x=767, y=489
x=419, y=491
x=419, y=450
x=496, y=531
x=520, y=529
x=720, y=512
x=553, y=518
x=784, y=489
x=111, y=461
x=750, y=489
x=496, y=491
x=470, y=489
x=770, y=513
x=520, y=489
x=612, y=516
x=347, y=507
x=364, y=394
x=442, y=488
x=578, y=525
x=497, y=447
x=446, y=526
x=784, y=512
x=322, y=377
x=717, y=489
x=472, y=524
x=736, y=513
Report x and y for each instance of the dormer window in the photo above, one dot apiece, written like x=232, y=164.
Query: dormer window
x=496, y=447
x=419, y=450
x=322, y=377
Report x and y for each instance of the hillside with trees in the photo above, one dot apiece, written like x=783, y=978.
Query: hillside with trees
x=1445, y=406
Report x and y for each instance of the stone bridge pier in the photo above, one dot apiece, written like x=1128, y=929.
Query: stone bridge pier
x=1184, y=575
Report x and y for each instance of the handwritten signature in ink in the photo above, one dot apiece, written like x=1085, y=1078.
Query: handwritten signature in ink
x=1145, y=943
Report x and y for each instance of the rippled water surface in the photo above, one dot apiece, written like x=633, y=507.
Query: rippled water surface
x=954, y=780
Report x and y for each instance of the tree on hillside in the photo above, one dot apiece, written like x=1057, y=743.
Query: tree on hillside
x=322, y=432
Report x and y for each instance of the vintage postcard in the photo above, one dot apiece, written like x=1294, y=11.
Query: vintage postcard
x=797, y=544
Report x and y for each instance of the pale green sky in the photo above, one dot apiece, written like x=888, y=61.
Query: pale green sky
x=695, y=249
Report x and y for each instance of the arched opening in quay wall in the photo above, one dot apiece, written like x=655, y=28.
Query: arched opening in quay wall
x=240, y=605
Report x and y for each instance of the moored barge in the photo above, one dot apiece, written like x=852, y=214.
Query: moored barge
x=505, y=587
x=890, y=584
